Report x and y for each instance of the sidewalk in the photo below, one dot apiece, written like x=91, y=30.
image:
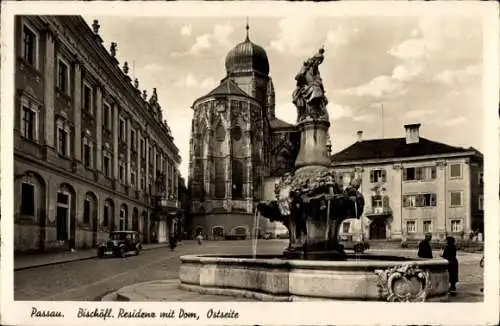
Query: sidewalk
x=45, y=259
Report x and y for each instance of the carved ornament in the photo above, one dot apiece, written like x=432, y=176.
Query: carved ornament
x=405, y=283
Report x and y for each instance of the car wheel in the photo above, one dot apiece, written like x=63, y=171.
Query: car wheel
x=137, y=250
x=358, y=249
x=100, y=252
x=122, y=252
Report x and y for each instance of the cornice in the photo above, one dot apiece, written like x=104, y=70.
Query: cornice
x=102, y=72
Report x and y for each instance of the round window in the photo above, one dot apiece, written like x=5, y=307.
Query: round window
x=237, y=133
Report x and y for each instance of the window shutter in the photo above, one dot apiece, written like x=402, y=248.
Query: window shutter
x=384, y=176
x=433, y=199
x=405, y=174
x=372, y=176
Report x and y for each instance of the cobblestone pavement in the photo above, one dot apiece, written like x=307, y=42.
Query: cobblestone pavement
x=92, y=279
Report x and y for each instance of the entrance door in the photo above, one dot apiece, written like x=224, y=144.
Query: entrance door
x=377, y=229
x=62, y=223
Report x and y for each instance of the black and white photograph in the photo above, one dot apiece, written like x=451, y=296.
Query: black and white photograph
x=162, y=164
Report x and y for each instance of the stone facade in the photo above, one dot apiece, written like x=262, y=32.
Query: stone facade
x=88, y=148
x=410, y=196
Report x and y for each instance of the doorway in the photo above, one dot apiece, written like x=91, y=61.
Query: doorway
x=377, y=229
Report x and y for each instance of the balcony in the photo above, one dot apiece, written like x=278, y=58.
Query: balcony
x=378, y=211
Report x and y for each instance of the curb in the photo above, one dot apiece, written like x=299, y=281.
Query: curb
x=126, y=293
x=74, y=260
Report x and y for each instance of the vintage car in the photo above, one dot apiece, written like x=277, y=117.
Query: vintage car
x=120, y=244
x=356, y=243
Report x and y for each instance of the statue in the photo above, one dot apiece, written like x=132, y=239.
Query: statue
x=112, y=49
x=136, y=83
x=144, y=95
x=125, y=67
x=96, y=26
x=153, y=100
x=309, y=95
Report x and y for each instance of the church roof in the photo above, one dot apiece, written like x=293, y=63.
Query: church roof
x=280, y=124
x=227, y=87
x=247, y=57
x=396, y=148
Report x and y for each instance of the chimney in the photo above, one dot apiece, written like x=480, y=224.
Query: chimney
x=412, y=136
x=360, y=135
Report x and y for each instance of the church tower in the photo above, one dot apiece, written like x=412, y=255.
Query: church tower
x=231, y=148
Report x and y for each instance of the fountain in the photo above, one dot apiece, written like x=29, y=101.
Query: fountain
x=312, y=202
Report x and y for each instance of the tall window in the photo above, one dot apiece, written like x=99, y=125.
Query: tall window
x=63, y=76
x=62, y=138
x=107, y=166
x=378, y=175
x=86, y=211
x=456, y=198
x=29, y=122
x=456, y=170
x=456, y=226
x=87, y=99
x=427, y=226
x=132, y=179
x=106, y=118
x=88, y=153
x=122, y=130
x=105, y=218
x=237, y=175
x=220, y=177
x=27, y=199
x=425, y=173
x=411, y=227
x=123, y=219
x=122, y=173
x=419, y=200
x=30, y=46
x=143, y=152
x=133, y=145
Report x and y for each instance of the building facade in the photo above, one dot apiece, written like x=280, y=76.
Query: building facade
x=236, y=142
x=91, y=153
x=414, y=186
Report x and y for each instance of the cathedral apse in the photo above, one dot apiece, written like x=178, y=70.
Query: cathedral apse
x=236, y=144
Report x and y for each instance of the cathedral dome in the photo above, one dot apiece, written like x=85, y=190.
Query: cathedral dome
x=247, y=57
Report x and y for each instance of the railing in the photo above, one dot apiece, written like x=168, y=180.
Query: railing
x=379, y=210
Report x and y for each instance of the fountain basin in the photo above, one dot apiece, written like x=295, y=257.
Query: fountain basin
x=272, y=278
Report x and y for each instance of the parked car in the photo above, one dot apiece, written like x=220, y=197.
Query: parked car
x=120, y=244
x=357, y=244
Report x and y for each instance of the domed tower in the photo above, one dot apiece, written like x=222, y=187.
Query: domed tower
x=247, y=64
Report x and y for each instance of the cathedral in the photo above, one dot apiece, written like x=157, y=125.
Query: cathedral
x=237, y=143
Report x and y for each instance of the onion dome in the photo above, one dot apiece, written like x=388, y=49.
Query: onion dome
x=247, y=57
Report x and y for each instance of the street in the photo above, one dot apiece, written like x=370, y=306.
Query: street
x=92, y=279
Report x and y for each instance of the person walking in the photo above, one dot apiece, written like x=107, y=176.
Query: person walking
x=481, y=264
x=424, y=247
x=450, y=254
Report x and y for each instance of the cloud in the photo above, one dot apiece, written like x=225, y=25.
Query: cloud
x=453, y=77
x=451, y=122
x=186, y=30
x=191, y=81
x=338, y=112
x=338, y=36
x=417, y=114
x=286, y=112
x=220, y=35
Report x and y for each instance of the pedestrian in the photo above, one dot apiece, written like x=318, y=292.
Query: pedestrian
x=199, y=238
x=450, y=254
x=172, y=241
x=424, y=247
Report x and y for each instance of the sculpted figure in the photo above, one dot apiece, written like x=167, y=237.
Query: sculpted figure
x=309, y=95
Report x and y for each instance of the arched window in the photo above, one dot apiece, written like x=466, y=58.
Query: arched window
x=123, y=218
x=237, y=178
x=89, y=206
x=108, y=214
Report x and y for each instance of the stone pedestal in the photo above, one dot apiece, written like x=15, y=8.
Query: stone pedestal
x=313, y=137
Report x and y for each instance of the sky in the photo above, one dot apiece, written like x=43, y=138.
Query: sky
x=379, y=73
